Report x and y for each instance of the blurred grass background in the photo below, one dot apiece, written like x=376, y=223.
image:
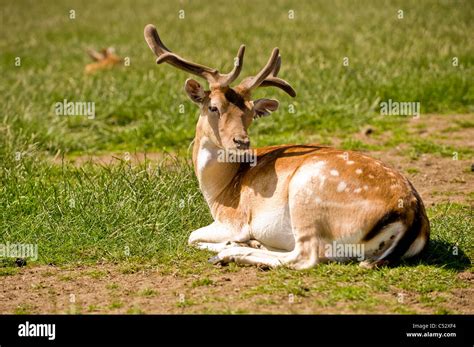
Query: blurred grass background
x=407, y=59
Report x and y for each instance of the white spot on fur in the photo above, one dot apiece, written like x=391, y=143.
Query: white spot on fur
x=341, y=186
x=306, y=179
x=350, y=162
x=204, y=157
x=371, y=176
x=357, y=190
x=358, y=171
x=334, y=173
x=366, y=188
x=318, y=200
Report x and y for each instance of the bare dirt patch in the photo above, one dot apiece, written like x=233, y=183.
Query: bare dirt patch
x=454, y=130
x=107, y=289
x=437, y=179
x=110, y=289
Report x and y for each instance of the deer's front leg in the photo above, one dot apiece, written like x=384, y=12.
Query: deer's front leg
x=216, y=237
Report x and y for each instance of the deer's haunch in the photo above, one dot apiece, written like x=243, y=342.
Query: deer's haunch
x=294, y=205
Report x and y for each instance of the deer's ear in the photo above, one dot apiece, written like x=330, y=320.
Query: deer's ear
x=109, y=51
x=264, y=107
x=194, y=90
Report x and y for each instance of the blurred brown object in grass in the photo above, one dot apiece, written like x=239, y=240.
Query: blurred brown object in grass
x=105, y=59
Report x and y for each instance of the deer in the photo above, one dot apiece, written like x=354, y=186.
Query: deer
x=298, y=201
x=105, y=59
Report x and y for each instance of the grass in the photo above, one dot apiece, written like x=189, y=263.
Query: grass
x=135, y=310
x=147, y=292
x=112, y=286
x=24, y=309
x=125, y=207
x=414, y=65
x=115, y=209
x=97, y=274
x=137, y=215
x=183, y=303
x=8, y=271
x=202, y=282
x=92, y=308
x=115, y=305
x=412, y=170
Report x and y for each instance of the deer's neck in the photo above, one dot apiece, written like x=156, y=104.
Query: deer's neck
x=214, y=176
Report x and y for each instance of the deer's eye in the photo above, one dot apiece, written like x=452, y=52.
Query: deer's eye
x=213, y=109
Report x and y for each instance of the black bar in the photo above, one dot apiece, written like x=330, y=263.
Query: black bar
x=256, y=329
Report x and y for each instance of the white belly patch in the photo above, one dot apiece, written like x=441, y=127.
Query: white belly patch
x=273, y=228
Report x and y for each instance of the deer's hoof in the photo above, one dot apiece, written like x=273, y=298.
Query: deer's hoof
x=215, y=260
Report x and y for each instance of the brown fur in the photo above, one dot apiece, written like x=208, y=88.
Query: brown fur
x=106, y=59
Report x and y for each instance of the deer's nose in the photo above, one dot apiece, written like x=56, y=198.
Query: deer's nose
x=242, y=142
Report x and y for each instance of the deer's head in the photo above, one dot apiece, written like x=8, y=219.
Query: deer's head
x=104, y=59
x=225, y=112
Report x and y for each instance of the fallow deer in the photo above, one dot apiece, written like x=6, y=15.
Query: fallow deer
x=105, y=59
x=298, y=200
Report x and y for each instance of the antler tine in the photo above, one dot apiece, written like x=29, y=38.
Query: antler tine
x=273, y=81
x=251, y=83
x=154, y=41
x=95, y=55
x=227, y=79
x=276, y=69
x=165, y=55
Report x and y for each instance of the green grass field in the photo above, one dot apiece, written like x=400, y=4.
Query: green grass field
x=143, y=214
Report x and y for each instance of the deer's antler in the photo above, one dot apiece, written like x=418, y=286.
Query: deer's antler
x=273, y=81
x=164, y=55
x=95, y=55
x=267, y=77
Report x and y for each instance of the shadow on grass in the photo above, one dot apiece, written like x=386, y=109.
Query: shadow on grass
x=442, y=254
